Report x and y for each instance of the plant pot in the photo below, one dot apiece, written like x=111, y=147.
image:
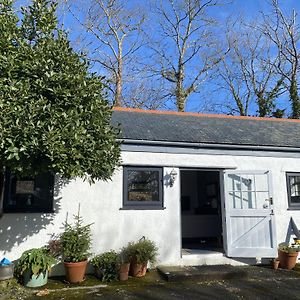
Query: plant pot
x=275, y=263
x=6, y=272
x=75, y=271
x=137, y=270
x=98, y=273
x=124, y=271
x=287, y=260
x=33, y=281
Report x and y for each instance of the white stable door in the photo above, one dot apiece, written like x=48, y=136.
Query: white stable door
x=249, y=216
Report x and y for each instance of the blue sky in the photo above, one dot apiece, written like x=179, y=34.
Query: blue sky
x=249, y=9
x=252, y=8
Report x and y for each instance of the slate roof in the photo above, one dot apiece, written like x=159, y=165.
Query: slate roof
x=206, y=129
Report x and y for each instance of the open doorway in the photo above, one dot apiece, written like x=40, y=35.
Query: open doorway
x=201, y=213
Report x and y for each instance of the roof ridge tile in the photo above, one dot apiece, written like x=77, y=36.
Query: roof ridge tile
x=202, y=115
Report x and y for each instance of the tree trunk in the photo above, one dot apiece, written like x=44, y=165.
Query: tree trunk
x=294, y=97
x=239, y=103
x=180, y=92
x=262, y=106
x=119, y=78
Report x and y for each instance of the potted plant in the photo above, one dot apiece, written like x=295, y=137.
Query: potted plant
x=105, y=266
x=75, y=243
x=140, y=254
x=33, y=266
x=124, y=264
x=275, y=263
x=287, y=255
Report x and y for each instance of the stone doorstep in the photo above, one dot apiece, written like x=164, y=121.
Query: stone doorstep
x=203, y=273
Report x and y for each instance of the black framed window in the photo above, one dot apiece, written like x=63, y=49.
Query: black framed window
x=143, y=187
x=28, y=195
x=293, y=186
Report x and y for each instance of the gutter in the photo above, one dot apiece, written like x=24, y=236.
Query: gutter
x=208, y=146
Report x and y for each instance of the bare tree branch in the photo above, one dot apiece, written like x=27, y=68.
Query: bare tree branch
x=187, y=53
x=116, y=30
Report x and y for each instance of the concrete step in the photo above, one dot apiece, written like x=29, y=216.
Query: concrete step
x=205, y=257
x=202, y=273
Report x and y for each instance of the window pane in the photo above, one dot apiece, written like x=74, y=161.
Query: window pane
x=262, y=200
x=235, y=200
x=295, y=186
x=247, y=182
x=143, y=185
x=295, y=189
x=261, y=183
x=249, y=200
x=29, y=194
x=293, y=182
x=234, y=182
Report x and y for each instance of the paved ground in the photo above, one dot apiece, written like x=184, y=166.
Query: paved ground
x=232, y=289
x=258, y=283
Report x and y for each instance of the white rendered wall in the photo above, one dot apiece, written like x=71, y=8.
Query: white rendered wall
x=101, y=204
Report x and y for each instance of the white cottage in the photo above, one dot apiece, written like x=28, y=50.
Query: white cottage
x=208, y=189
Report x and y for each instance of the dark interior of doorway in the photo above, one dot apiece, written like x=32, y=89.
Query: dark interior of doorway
x=201, y=219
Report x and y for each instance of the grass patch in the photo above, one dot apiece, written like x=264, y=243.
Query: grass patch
x=11, y=289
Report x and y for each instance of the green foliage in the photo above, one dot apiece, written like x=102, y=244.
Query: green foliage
x=54, y=248
x=75, y=241
x=12, y=290
x=53, y=112
x=286, y=247
x=36, y=260
x=144, y=250
x=107, y=263
x=124, y=256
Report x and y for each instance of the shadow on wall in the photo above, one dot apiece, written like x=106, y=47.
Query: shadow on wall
x=15, y=228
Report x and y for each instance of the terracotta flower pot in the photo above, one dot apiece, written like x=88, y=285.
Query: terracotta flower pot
x=275, y=263
x=124, y=271
x=75, y=271
x=137, y=270
x=287, y=260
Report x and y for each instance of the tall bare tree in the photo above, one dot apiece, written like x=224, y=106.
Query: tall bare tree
x=249, y=72
x=186, y=50
x=146, y=93
x=115, y=30
x=284, y=32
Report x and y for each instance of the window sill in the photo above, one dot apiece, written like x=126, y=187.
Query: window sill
x=28, y=212
x=133, y=207
x=294, y=208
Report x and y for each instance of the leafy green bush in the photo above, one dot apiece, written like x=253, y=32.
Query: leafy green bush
x=75, y=241
x=144, y=250
x=107, y=263
x=36, y=260
x=51, y=99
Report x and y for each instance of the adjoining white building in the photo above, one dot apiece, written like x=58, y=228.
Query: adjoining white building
x=208, y=189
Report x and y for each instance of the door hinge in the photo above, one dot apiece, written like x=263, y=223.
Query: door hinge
x=271, y=200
